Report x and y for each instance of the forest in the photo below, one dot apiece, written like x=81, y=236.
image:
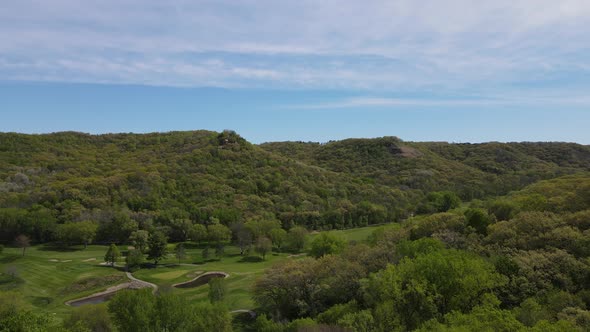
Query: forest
x=353, y=235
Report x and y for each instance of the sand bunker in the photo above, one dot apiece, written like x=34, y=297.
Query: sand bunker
x=201, y=279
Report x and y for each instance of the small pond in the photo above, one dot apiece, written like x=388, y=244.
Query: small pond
x=201, y=280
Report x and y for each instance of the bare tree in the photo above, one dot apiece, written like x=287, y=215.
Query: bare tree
x=23, y=241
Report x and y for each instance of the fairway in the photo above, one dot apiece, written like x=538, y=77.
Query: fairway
x=49, y=277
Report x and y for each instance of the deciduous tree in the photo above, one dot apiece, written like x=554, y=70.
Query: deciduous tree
x=23, y=241
x=112, y=254
x=157, y=246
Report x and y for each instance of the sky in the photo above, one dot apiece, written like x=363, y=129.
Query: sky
x=443, y=70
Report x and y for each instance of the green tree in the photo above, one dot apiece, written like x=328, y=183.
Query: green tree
x=478, y=219
x=182, y=227
x=428, y=286
x=243, y=236
x=297, y=238
x=140, y=239
x=140, y=310
x=278, y=236
x=157, y=246
x=217, y=289
x=77, y=232
x=218, y=233
x=91, y=317
x=16, y=315
x=482, y=318
x=112, y=254
x=263, y=246
x=443, y=201
x=198, y=233
x=133, y=311
x=326, y=244
x=134, y=259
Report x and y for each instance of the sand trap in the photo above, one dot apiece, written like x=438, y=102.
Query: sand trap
x=89, y=260
x=54, y=260
x=69, y=260
x=201, y=280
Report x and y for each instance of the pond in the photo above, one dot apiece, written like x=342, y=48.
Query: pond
x=201, y=280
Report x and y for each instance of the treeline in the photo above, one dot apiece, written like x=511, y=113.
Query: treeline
x=506, y=264
x=73, y=188
x=129, y=310
x=128, y=182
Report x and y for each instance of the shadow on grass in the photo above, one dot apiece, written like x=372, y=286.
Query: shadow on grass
x=9, y=258
x=122, y=268
x=8, y=282
x=188, y=245
x=58, y=247
x=41, y=301
x=251, y=259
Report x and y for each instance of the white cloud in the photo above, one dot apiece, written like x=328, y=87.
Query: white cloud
x=383, y=45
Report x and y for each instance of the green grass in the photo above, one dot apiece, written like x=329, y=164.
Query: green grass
x=45, y=275
x=358, y=234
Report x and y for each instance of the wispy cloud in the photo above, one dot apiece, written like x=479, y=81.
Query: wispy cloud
x=430, y=103
x=453, y=45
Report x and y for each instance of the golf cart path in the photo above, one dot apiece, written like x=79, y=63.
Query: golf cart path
x=149, y=284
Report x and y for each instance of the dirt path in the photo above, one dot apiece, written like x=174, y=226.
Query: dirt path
x=133, y=283
x=143, y=282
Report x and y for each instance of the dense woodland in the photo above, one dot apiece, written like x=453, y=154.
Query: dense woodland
x=492, y=237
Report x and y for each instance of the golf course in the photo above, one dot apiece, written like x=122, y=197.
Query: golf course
x=53, y=279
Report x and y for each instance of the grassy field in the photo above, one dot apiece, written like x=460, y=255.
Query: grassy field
x=48, y=277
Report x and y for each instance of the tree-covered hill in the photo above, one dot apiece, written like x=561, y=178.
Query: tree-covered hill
x=170, y=177
x=125, y=182
x=470, y=170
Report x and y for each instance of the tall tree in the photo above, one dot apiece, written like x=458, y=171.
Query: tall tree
x=77, y=232
x=112, y=254
x=326, y=244
x=297, y=238
x=243, y=236
x=139, y=239
x=263, y=246
x=134, y=259
x=217, y=289
x=278, y=236
x=218, y=233
x=157, y=246
x=198, y=233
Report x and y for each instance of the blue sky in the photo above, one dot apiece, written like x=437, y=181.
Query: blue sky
x=453, y=70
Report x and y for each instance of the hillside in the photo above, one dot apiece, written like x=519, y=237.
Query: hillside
x=126, y=181
x=163, y=178
x=516, y=258
x=470, y=170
